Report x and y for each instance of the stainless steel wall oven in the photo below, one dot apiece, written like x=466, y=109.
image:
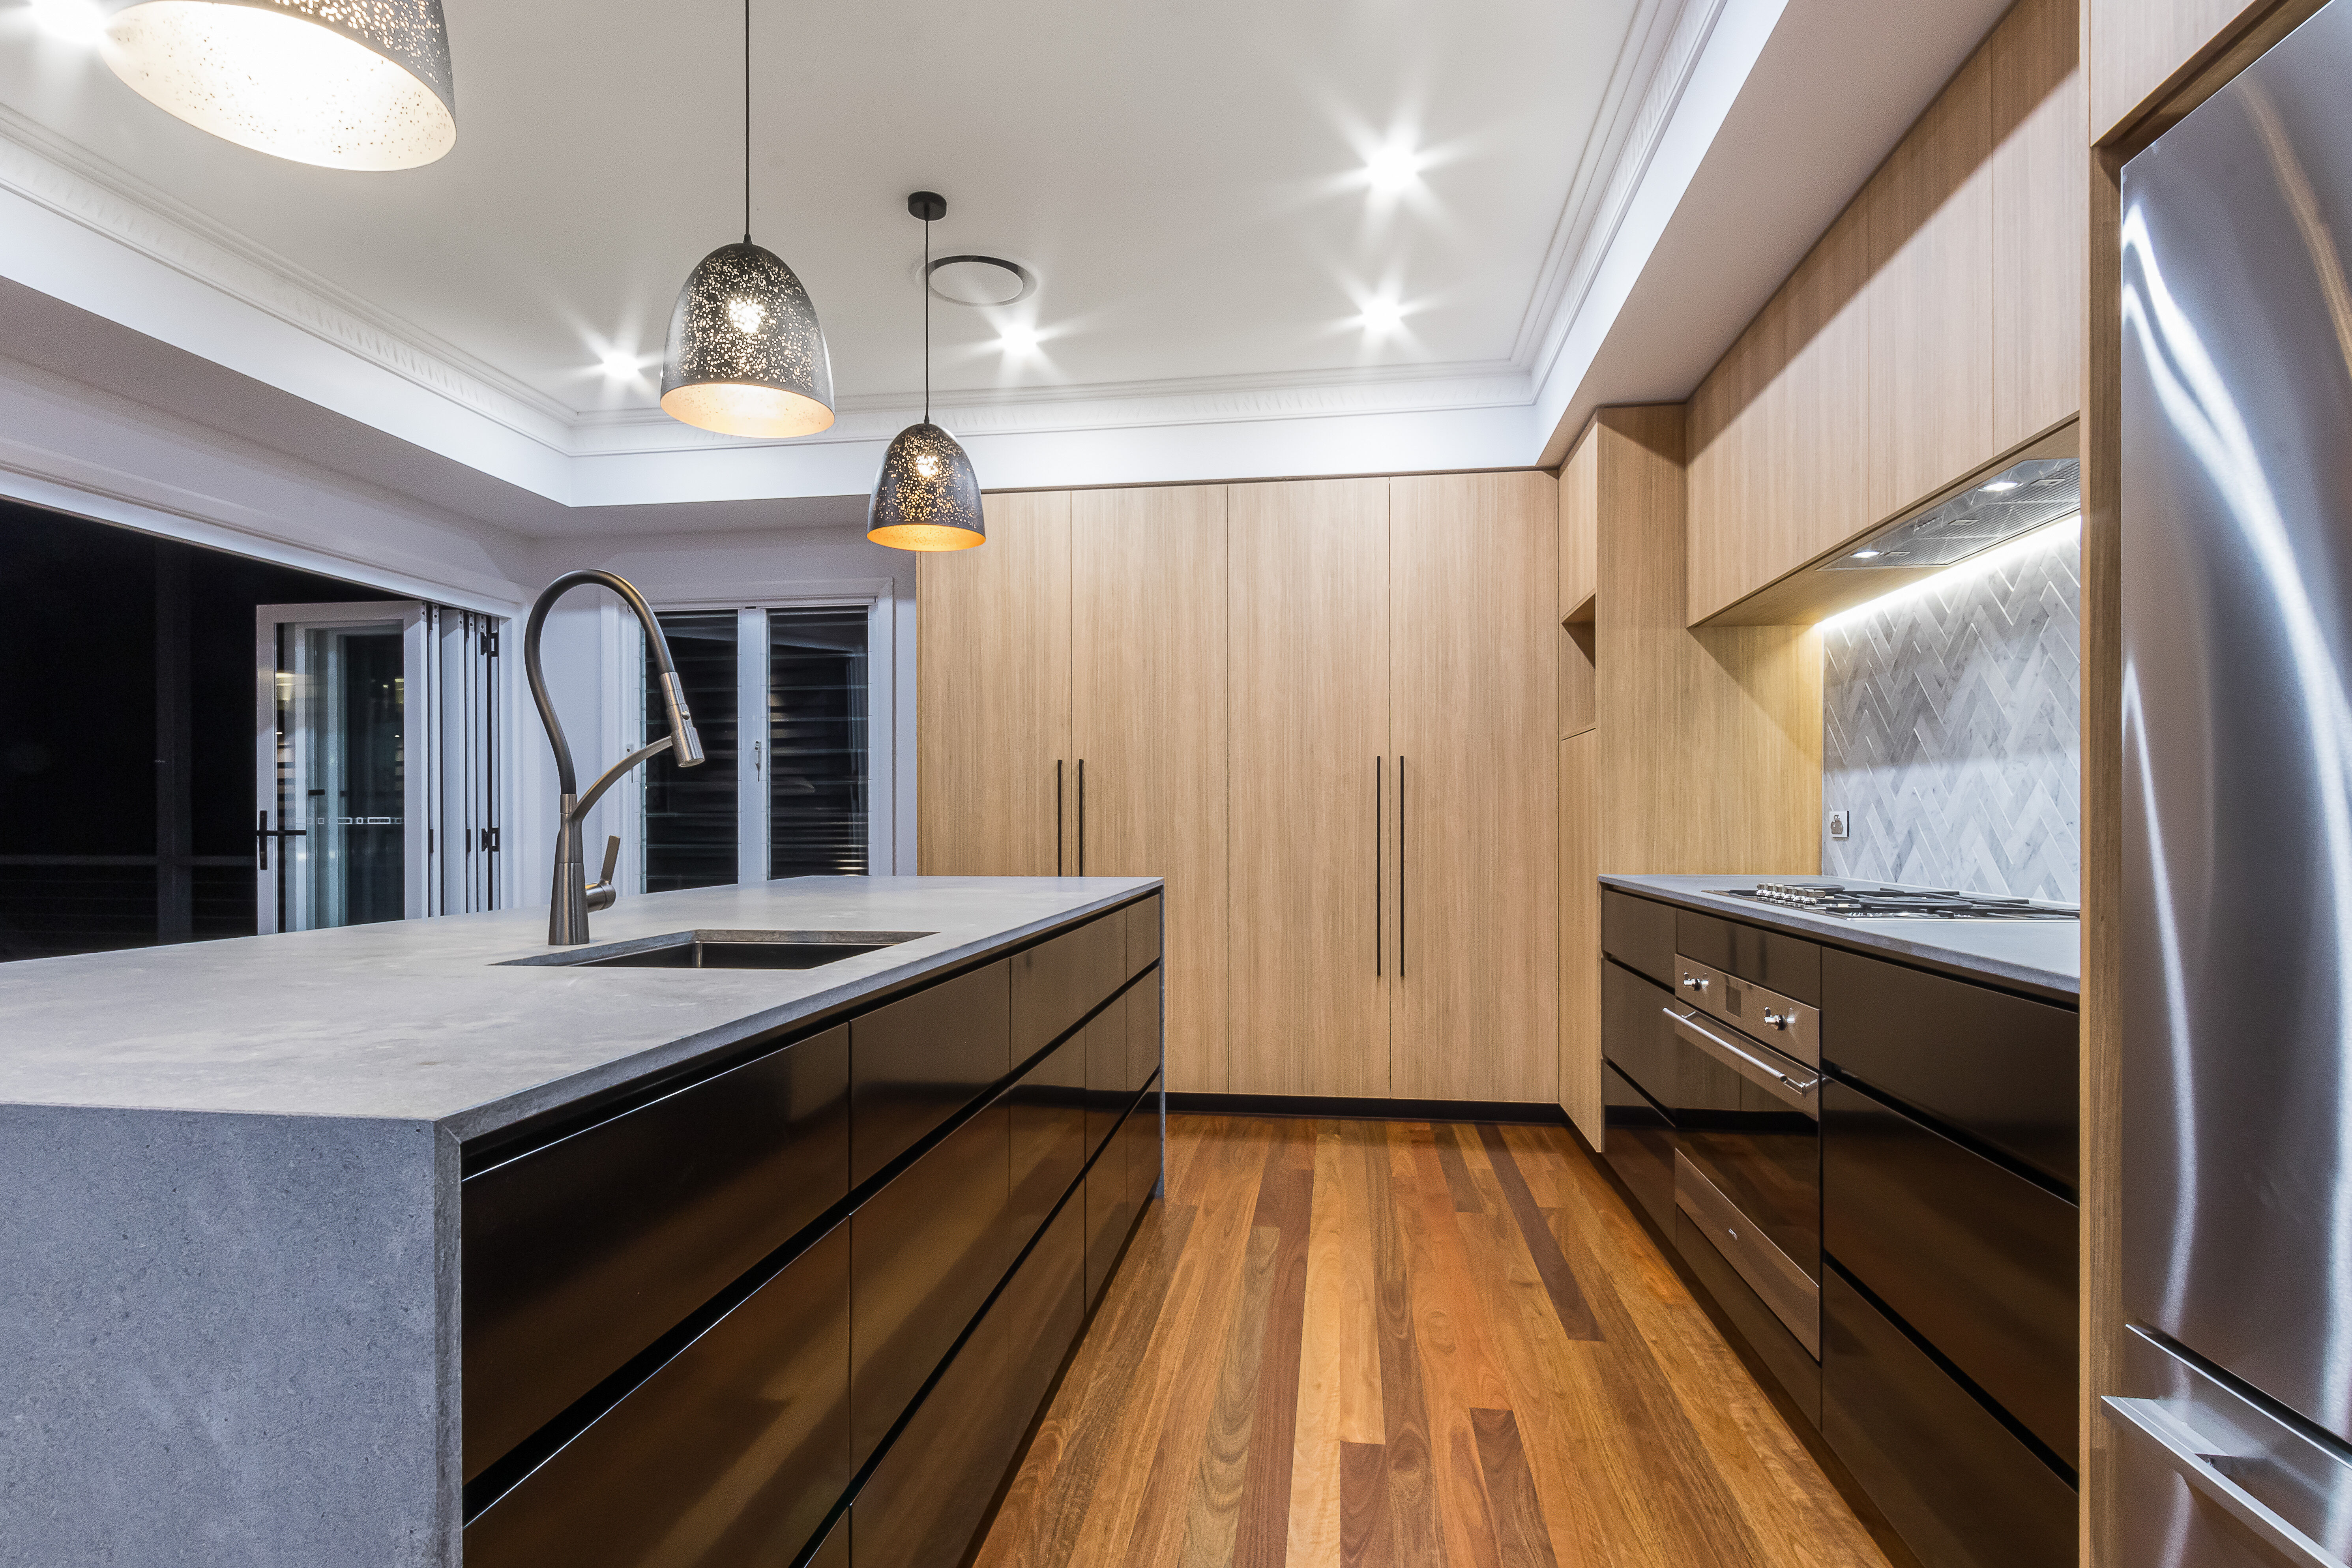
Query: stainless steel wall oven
x=1748, y=1161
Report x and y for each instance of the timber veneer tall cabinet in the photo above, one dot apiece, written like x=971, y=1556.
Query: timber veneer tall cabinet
x=1324, y=712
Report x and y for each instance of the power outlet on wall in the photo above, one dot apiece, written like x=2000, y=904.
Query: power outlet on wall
x=1837, y=825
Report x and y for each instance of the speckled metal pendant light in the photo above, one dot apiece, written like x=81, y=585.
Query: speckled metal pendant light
x=926, y=497
x=746, y=356
x=347, y=84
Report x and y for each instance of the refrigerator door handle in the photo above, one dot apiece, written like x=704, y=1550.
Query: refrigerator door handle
x=2184, y=1450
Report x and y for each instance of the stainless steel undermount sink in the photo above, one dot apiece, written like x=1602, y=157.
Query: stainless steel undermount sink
x=723, y=950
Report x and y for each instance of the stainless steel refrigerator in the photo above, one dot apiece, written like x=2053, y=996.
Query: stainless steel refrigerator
x=2235, y=1413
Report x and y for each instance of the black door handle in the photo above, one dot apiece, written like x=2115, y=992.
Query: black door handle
x=1082, y=817
x=1057, y=816
x=262, y=835
x=1378, y=958
x=1400, y=865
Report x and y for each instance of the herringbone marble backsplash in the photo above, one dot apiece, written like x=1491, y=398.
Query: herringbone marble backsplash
x=1951, y=732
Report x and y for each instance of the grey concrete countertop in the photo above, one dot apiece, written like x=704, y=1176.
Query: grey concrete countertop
x=427, y=1021
x=234, y=1203
x=2044, y=956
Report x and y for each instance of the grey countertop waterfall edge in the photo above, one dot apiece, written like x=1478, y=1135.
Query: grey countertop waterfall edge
x=428, y=1021
x=2039, y=956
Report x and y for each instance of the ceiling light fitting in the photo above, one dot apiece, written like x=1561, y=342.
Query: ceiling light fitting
x=745, y=354
x=982, y=281
x=926, y=496
x=343, y=84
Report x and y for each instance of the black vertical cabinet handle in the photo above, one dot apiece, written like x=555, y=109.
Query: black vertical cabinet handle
x=1400, y=865
x=1082, y=817
x=1057, y=816
x=1377, y=957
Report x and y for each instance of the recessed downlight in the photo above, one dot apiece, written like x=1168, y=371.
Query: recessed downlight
x=980, y=280
x=1393, y=169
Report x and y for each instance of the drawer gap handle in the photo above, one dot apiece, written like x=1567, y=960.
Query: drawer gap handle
x=2183, y=1447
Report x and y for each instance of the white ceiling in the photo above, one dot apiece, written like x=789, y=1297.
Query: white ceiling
x=1606, y=190
x=1186, y=179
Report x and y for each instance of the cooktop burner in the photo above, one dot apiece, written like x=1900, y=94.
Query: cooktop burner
x=1855, y=903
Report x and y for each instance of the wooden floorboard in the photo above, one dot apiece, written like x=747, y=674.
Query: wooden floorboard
x=1408, y=1346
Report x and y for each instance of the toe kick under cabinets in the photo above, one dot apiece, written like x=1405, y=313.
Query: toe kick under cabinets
x=1870, y=1167
x=804, y=1308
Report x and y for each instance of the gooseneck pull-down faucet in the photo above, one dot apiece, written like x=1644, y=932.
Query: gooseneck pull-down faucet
x=573, y=898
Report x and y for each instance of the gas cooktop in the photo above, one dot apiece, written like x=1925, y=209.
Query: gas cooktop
x=1856, y=903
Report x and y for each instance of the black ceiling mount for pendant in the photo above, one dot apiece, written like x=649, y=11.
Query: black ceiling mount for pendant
x=926, y=496
x=745, y=354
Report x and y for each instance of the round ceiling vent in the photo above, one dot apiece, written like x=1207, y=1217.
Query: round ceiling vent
x=980, y=280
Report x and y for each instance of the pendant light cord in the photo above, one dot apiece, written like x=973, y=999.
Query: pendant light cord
x=927, y=320
x=746, y=122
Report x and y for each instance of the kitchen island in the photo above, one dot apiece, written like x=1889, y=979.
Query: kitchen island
x=408, y=1243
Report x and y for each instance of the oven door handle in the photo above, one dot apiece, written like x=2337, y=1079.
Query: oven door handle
x=1754, y=1069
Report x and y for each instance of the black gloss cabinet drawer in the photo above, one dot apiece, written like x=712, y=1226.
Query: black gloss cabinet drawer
x=1960, y=1487
x=925, y=1501
x=1639, y=1144
x=1109, y=1093
x=927, y=1249
x=1996, y=1066
x=579, y=1253
x=1635, y=1033
x=1143, y=1029
x=1143, y=928
x=1638, y=933
x=1048, y=1107
x=733, y=1452
x=916, y=1062
x=1980, y=1261
x=1058, y=981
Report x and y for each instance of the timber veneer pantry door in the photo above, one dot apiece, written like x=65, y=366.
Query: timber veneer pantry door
x=1475, y=1007
x=1310, y=772
x=994, y=762
x=1148, y=695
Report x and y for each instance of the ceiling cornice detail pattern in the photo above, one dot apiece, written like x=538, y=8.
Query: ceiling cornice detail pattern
x=1684, y=26
x=1663, y=41
x=52, y=172
x=1029, y=411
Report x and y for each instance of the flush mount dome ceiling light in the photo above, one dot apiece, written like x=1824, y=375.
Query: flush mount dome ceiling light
x=980, y=279
x=344, y=84
x=745, y=354
x=926, y=496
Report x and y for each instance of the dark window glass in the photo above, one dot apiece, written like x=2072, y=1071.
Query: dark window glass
x=690, y=811
x=818, y=778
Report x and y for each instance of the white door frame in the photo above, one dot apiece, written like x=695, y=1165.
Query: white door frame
x=419, y=744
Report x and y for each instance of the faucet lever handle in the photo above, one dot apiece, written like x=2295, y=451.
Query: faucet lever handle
x=604, y=894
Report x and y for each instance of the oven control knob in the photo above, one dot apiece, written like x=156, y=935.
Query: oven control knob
x=1777, y=1020
x=1694, y=983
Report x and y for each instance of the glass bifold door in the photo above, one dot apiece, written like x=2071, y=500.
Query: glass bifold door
x=782, y=697
x=373, y=777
